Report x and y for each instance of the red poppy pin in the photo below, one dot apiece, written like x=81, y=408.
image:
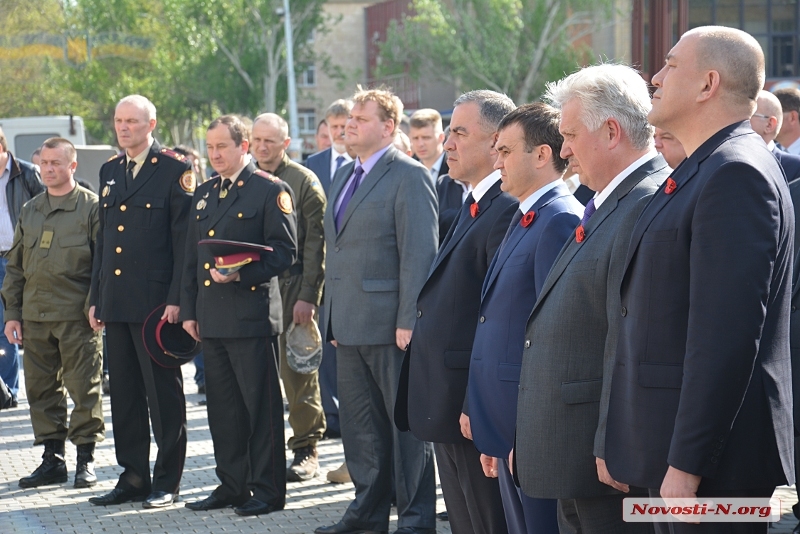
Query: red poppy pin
x=473, y=210
x=671, y=186
x=579, y=234
x=527, y=219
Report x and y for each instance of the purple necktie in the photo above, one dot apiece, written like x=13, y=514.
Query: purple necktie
x=588, y=212
x=347, y=196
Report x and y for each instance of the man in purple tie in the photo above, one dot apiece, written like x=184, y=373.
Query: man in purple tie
x=381, y=231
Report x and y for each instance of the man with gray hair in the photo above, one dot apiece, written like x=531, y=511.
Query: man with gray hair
x=145, y=193
x=701, y=397
x=571, y=334
x=301, y=287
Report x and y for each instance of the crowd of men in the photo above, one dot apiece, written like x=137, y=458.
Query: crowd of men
x=564, y=303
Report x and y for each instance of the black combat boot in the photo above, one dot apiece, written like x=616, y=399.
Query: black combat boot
x=84, y=472
x=53, y=469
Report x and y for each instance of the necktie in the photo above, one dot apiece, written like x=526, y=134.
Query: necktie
x=588, y=212
x=463, y=213
x=224, y=187
x=129, y=174
x=347, y=196
x=514, y=222
x=339, y=162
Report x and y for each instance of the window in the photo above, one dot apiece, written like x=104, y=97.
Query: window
x=308, y=76
x=307, y=121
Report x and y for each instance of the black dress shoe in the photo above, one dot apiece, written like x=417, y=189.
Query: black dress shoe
x=118, y=496
x=255, y=507
x=159, y=499
x=415, y=530
x=211, y=503
x=342, y=528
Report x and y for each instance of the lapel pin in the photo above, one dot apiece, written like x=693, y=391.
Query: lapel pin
x=474, y=210
x=240, y=183
x=201, y=204
x=671, y=186
x=106, y=191
x=154, y=160
x=527, y=219
x=580, y=234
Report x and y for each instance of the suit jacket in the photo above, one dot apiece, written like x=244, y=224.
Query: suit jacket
x=378, y=260
x=138, y=259
x=703, y=378
x=789, y=163
x=436, y=364
x=570, y=345
x=450, y=196
x=253, y=212
x=794, y=321
x=515, y=278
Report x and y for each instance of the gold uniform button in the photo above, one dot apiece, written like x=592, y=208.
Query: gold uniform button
x=123, y=207
x=240, y=215
x=118, y=272
x=207, y=283
x=207, y=266
x=119, y=249
x=105, y=205
x=211, y=233
x=253, y=288
x=147, y=205
x=120, y=228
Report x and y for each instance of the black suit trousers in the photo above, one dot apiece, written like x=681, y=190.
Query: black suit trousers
x=138, y=383
x=473, y=500
x=245, y=415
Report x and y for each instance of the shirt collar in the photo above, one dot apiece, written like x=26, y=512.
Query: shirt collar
x=771, y=146
x=526, y=204
x=794, y=148
x=372, y=160
x=235, y=175
x=484, y=185
x=139, y=158
x=438, y=164
x=601, y=196
x=7, y=170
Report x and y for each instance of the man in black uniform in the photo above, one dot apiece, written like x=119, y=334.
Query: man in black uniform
x=239, y=317
x=145, y=194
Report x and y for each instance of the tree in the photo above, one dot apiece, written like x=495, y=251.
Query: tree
x=510, y=46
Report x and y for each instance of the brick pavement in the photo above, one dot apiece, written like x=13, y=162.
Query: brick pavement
x=63, y=509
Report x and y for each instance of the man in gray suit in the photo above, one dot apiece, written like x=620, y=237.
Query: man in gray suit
x=381, y=232
x=571, y=337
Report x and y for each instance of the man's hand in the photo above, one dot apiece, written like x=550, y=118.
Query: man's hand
x=303, y=311
x=403, y=338
x=679, y=484
x=193, y=329
x=334, y=343
x=220, y=279
x=605, y=477
x=13, y=332
x=489, y=465
x=466, y=430
x=96, y=324
x=679, y=488
x=171, y=314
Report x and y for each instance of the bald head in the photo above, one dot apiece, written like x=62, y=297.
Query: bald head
x=736, y=56
x=768, y=118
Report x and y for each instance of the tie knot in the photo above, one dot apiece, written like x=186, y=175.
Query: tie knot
x=359, y=172
x=340, y=159
x=470, y=199
x=131, y=164
x=588, y=212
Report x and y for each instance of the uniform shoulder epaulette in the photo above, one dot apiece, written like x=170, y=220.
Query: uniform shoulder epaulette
x=268, y=176
x=115, y=156
x=173, y=154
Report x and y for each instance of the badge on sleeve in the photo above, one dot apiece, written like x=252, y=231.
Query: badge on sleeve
x=285, y=202
x=188, y=182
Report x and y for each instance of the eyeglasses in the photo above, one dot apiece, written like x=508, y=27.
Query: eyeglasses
x=762, y=116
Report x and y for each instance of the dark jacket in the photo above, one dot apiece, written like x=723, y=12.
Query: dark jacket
x=23, y=184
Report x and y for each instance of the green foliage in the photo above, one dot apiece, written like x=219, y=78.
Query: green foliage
x=510, y=46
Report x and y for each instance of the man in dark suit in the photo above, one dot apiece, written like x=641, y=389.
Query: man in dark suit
x=528, y=148
x=701, y=396
x=381, y=234
x=238, y=316
x=145, y=194
x=325, y=164
x=571, y=334
x=433, y=382
x=767, y=122
x=427, y=142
